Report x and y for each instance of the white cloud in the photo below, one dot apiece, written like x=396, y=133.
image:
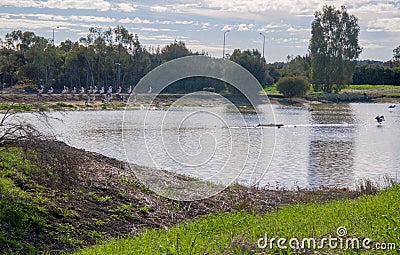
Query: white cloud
x=239, y=27
x=100, y=5
x=159, y=9
x=245, y=27
x=93, y=19
x=384, y=25
x=372, y=46
x=161, y=38
x=150, y=29
x=136, y=20
x=184, y=22
x=125, y=7
x=165, y=22
x=30, y=24
x=297, y=29
x=20, y=3
x=205, y=26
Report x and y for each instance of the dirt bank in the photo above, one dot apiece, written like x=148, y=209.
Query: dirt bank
x=88, y=198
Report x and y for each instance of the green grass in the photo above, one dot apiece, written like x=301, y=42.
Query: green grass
x=16, y=107
x=393, y=95
x=372, y=87
x=64, y=105
x=21, y=216
x=374, y=217
x=271, y=90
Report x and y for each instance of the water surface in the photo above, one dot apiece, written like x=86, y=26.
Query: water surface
x=307, y=154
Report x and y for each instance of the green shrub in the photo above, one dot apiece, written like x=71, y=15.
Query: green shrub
x=293, y=86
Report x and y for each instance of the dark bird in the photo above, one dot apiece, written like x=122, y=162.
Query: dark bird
x=379, y=119
x=392, y=106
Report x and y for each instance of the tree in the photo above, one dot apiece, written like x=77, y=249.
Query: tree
x=293, y=86
x=298, y=66
x=376, y=75
x=252, y=61
x=174, y=50
x=334, y=48
x=396, y=56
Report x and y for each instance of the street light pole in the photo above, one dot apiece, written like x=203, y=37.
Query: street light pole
x=263, y=44
x=53, y=33
x=223, y=50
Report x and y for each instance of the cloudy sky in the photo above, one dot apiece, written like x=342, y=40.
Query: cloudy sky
x=200, y=24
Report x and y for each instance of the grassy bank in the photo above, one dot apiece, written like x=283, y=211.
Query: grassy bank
x=57, y=198
x=372, y=87
x=373, y=217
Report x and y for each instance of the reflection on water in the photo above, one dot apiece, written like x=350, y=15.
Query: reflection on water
x=306, y=155
x=331, y=149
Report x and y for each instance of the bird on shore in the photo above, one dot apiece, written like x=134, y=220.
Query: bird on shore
x=41, y=90
x=74, y=90
x=379, y=119
x=110, y=89
x=102, y=90
x=65, y=90
x=88, y=100
x=50, y=91
x=82, y=91
x=119, y=91
x=130, y=89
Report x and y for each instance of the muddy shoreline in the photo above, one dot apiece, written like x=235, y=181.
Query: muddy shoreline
x=68, y=102
x=96, y=194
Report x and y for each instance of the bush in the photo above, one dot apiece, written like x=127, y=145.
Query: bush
x=293, y=86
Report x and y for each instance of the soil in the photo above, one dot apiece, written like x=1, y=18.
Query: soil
x=94, y=198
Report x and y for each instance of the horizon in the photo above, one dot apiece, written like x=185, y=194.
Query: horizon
x=201, y=24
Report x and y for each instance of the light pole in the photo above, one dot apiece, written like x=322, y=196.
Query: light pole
x=223, y=50
x=53, y=33
x=263, y=44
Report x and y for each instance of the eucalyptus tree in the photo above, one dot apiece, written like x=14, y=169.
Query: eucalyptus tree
x=174, y=50
x=334, y=48
x=396, y=56
x=254, y=63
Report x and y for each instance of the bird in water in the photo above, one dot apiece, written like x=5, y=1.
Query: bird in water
x=392, y=106
x=379, y=119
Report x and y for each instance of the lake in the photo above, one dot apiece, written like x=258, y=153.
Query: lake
x=332, y=145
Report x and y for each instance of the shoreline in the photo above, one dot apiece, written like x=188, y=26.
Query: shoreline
x=90, y=193
x=68, y=102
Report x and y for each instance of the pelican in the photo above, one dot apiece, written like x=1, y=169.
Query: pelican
x=95, y=90
x=130, y=90
x=65, y=90
x=50, y=91
x=73, y=90
x=110, y=89
x=102, y=90
x=150, y=89
x=41, y=90
x=119, y=90
x=379, y=119
x=90, y=91
x=82, y=90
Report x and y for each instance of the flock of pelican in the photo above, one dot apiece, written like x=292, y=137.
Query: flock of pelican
x=91, y=90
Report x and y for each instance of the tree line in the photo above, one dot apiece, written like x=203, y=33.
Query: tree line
x=115, y=57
